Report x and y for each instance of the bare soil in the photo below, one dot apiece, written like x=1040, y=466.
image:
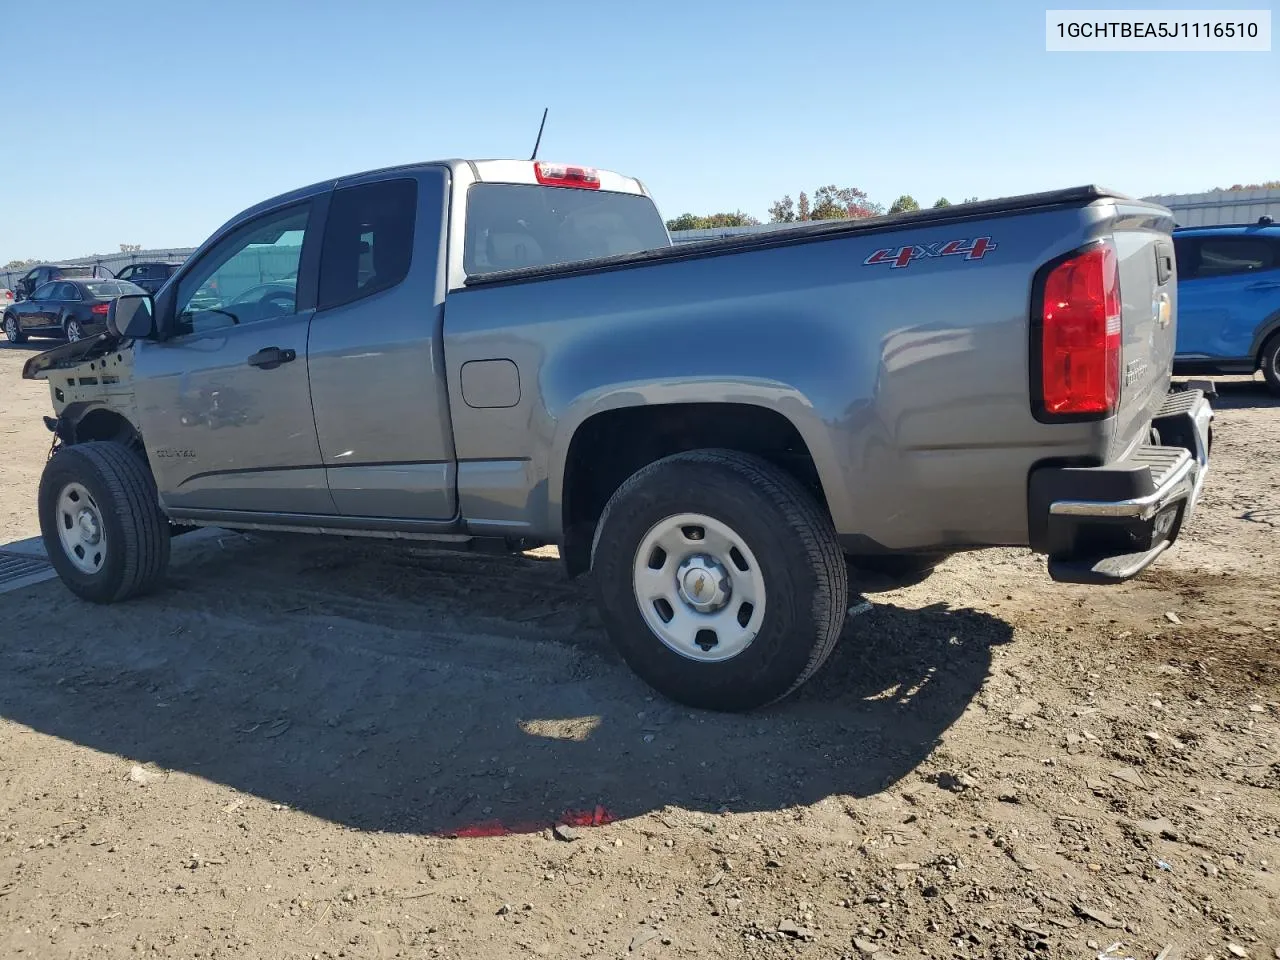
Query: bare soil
x=337, y=748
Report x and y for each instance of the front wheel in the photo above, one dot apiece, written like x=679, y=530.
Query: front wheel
x=1270, y=363
x=719, y=579
x=12, y=332
x=101, y=522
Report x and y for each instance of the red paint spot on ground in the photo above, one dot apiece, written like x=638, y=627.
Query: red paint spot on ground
x=496, y=828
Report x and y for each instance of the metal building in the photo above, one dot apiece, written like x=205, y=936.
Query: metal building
x=1221, y=206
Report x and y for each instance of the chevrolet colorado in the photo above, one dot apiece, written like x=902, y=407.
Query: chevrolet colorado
x=514, y=351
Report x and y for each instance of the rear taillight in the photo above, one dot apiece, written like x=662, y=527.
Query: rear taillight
x=1080, y=336
x=100, y=309
x=559, y=175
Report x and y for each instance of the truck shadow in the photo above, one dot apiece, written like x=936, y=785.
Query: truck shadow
x=31, y=346
x=1239, y=393
x=379, y=691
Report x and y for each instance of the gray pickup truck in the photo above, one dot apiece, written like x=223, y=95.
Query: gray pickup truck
x=513, y=352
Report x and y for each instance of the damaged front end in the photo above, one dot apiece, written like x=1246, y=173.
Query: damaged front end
x=91, y=388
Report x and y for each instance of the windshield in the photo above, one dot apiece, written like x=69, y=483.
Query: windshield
x=112, y=288
x=510, y=226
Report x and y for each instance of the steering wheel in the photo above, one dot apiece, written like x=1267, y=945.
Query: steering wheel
x=285, y=300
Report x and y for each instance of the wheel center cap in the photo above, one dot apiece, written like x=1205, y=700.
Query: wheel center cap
x=88, y=525
x=704, y=583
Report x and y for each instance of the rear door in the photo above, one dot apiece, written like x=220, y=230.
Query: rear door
x=225, y=402
x=375, y=356
x=65, y=296
x=1228, y=286
x=32, y=281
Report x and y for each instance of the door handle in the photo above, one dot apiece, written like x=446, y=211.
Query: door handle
x=268, y=358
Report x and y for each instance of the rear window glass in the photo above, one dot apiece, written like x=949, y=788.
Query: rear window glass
x=1220, y=256
x=76, y=271
x=511, y=226
x=112, y=288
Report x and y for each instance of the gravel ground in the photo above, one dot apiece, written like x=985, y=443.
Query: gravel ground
x=308, y=748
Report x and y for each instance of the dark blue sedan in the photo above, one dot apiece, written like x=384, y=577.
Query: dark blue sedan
x=67, y=309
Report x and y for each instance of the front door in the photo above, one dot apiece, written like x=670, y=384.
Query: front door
x=224, y=401
x=32, y=313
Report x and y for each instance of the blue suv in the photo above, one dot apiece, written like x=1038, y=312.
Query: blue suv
x=1229, y=300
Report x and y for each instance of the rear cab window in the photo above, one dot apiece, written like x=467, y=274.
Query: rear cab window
x=511, y=226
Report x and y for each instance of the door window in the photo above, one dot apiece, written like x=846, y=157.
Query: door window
x=45, y=291
x=251, y=275
x=1224, y=256
x=67, y=291
x=368, y=240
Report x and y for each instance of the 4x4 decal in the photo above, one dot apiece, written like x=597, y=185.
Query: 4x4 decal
x=971, y=249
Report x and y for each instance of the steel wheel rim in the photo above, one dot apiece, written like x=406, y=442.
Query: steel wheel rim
x=699, y=587
x=80, y=528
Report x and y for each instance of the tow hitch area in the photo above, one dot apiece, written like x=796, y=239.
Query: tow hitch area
x=1107, y=524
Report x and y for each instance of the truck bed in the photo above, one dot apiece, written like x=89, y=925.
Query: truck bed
x=815, y=230
x=912, y=388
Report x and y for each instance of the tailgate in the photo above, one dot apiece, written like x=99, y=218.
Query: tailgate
x=1148, y=293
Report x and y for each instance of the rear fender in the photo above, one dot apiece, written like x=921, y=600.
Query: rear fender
x=781, y=398
x=1265, y=331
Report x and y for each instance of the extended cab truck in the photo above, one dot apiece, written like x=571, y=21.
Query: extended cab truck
x=513, y=351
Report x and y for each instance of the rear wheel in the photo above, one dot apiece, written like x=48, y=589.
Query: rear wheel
x=720, y=579
x=101, y=522
x=1269, y=360
x=12, y=332
x=73, y=330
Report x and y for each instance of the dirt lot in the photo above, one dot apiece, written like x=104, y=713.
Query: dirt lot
x=301, y=749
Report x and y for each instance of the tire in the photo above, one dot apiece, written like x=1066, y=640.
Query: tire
x=72, y=330
x=1269, y=361
x=101, y=495
x=787, y=558
x=12, y=332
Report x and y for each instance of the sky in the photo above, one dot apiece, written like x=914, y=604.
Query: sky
x=155, y=122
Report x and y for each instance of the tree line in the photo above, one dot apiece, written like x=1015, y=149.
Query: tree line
x=827, y=203
x=1265, y=185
